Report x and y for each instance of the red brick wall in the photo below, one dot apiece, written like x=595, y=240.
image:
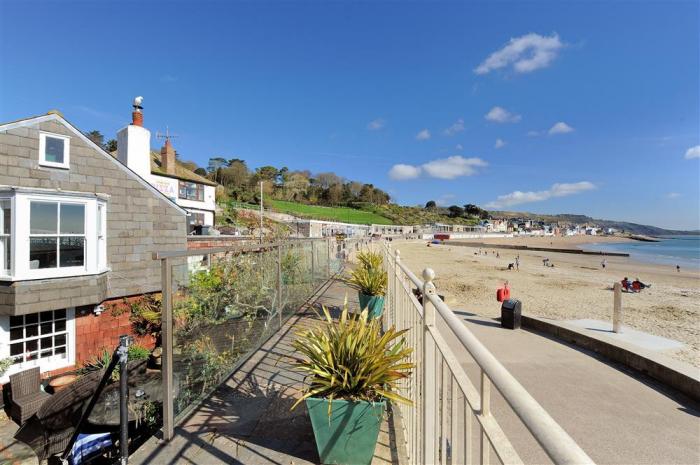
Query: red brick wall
x=96, y=332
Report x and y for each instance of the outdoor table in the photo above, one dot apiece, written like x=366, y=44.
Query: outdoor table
x=105, y=414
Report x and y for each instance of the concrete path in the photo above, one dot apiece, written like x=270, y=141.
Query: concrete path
x=248, y=420
x=616, y=416
x=13, y=452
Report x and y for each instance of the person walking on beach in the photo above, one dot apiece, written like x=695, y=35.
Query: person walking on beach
x=603, y=263
x=678, y=268
x=517, y=263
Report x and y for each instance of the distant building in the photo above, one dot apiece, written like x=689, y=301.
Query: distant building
x=318, y=228
x=392, y=230
x=194, y=193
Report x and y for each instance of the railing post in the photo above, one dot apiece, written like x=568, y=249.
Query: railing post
x=313, y=262
x=328, y=264
x=485, y=410
x=166, y=274
x=429, y=380
x=280, y=307
x=617, y=307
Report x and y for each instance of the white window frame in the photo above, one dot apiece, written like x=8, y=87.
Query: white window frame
x=95, y=254
x=42, y=150
x=6, y=238
x=58, y=235
x=45, y=364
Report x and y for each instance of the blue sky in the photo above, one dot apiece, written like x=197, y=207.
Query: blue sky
x=349, y=86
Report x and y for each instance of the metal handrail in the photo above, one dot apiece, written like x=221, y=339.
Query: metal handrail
x=556, y=442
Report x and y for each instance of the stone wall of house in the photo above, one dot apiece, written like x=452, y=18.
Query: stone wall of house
x=139, y=221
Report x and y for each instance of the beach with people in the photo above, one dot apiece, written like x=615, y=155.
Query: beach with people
x=566, y=286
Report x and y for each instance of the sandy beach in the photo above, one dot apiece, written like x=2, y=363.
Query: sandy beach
x=576, y=287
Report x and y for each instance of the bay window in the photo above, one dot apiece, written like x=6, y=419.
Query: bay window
x=46, y=235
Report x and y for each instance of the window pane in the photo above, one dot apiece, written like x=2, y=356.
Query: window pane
x=60, y=313
x=46, y=342
x=46, y=353
x=59, y=340
x=60, y=325
x=42, y=252
x=16, y=321
x=16, y=333
x=72, y=251
x=5, y=217
x=60, y=350
x=31, y=346
x=46, y=316
x=44, y=218
x=46, y=328
x=5, y=253
x=16, y=349
x=54, y=149
x=72, y=219
x=31, y=331
x=31, y=319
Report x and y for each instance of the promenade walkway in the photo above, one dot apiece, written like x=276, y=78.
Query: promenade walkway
x=247, y=420
x=614, y=414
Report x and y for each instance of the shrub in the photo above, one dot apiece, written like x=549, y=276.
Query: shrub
x=351, y=359
x=369, y=281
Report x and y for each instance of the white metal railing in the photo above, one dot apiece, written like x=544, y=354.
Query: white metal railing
x=438, y=427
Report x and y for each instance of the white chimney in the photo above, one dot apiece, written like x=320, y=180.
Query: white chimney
x=134, y=143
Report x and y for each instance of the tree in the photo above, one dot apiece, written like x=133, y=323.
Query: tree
x=455, y=211
x=430, y=204
x=326, y=180
x=111, y=145
x=200, y=171
x=216, y=163
x=96, y=137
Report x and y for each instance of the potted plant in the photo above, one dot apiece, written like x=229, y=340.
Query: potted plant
x=370, y=280
x=353, y=370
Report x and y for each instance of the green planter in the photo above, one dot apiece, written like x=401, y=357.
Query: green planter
x=374, y=304
x=349, y=435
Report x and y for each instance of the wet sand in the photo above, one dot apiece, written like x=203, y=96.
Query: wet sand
x=576, y=287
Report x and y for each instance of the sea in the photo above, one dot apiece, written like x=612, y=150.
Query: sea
x=670, y=250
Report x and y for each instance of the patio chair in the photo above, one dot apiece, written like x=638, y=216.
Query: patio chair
x=27, y=396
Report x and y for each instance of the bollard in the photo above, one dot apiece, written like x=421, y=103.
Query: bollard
x=617, y=308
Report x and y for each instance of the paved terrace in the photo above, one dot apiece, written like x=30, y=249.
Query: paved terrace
x=247, y=420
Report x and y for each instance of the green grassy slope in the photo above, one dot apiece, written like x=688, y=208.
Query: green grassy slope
x=341, y=214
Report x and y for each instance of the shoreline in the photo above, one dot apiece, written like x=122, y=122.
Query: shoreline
x=536, y=249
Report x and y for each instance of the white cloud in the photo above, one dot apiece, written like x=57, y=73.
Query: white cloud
x=693, y=152
x=458, y=126
x=673, y=195
x=557, y=190
x=423, y=135
x=501, y=115
x=560, y=128
x=459, y=147
x=533, y=133
x=403, y=172
x=376, y=124
x=525, y=54
x=499, y=144
x=442, y=168
x=453, y=167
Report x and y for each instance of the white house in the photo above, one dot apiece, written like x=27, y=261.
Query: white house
x=192, y=192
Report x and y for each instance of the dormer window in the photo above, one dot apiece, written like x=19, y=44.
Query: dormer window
x=54, y=150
